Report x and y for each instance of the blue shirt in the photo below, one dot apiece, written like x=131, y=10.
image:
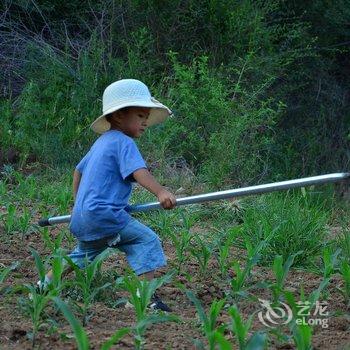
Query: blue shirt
x=105, y=186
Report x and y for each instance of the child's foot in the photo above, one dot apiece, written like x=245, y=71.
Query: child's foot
x=158, y=304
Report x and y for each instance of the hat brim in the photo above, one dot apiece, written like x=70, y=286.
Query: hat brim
x=158, y=114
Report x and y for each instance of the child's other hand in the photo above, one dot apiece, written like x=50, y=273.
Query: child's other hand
x=167, y=199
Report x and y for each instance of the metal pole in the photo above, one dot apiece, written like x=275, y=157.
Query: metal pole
x=240, y=192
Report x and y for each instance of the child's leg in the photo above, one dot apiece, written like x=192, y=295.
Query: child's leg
x=83, y=250
x=144, y=253
x=142, y=247
x=149, y=276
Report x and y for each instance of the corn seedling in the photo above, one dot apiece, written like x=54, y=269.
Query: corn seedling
x=119, y=334
x=240, y=329
x=3, y=189
x=63, y=200
x=37, y=298
x=79, y=331
x=301, y=309
x=187, y=220
x=202, y=253
x=34, y=305
x=345, y=273
x=84, y=282
x=239, y=281
x=181, y=241
x=10, y=220
x=209, y=321
x=281, y=271
x=51, y=243
x=329, y=262
x=162, y=223
x=223, y=256
x=24, y=222
x=302, y=335
x=141, y=292
x=5, y=271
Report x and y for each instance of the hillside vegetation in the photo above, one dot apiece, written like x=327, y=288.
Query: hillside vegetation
x=259, y=89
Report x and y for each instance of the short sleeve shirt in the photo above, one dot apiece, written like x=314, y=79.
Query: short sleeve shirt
x=105, y=186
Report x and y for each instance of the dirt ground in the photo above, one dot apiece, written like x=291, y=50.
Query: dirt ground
x=106, y=319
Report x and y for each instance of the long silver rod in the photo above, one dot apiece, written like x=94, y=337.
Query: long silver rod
x=213, y=196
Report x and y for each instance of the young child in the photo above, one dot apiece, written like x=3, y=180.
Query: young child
x=102, y=183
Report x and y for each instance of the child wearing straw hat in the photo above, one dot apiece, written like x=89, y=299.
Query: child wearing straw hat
x=102, y=183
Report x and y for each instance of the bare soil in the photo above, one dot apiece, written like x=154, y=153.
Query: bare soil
x=15, y=327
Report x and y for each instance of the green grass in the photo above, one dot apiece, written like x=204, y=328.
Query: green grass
x=275, y=230
x=292, y=224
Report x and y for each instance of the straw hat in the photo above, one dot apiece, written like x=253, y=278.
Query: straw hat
x=129, y=93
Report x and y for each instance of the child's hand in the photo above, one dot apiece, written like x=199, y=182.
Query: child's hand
x=167, y=199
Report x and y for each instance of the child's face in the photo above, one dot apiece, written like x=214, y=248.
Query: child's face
x=132, y=122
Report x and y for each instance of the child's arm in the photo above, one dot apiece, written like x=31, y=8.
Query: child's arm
x=146, y=180
x=76, y=182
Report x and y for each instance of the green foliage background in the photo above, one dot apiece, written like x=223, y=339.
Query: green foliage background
x=259, y=89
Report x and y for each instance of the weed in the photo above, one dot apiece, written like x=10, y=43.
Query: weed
x=344, y=243
x=292, y=223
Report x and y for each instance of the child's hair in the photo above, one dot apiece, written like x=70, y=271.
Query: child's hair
x=122, y=110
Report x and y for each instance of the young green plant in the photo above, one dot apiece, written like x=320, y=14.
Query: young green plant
x=223, y=255
x=281, y=271
x=253, y=256
x=181, y=241
x=84, y=282
x=302, y=335
x=38, y=298
x=209, y=321
x=79, y=331
x=5, y=271
x=10, y=219
x=202, y=252
x=241, y=329
x=141, y=292
x=345, y=273
x=81, y=337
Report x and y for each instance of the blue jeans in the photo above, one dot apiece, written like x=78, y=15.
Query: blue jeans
x=141, y=245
